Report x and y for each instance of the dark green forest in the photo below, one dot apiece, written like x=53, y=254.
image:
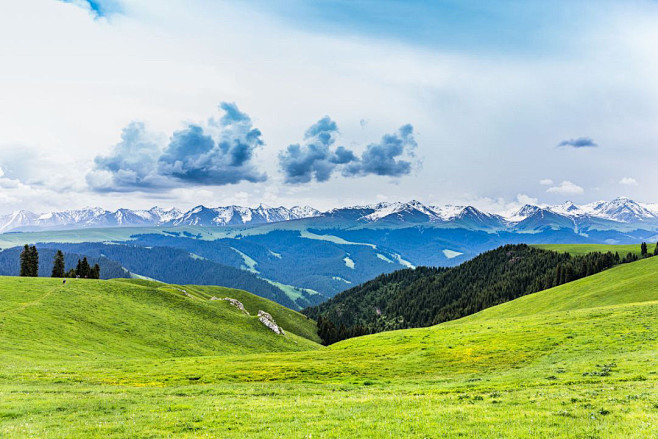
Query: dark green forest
x=425, y=296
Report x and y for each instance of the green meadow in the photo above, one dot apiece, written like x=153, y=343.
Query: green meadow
x=582, y=249
x=143, y=359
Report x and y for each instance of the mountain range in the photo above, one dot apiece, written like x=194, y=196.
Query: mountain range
x=621, y=214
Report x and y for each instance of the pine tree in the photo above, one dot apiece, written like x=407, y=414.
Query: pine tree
x=83, y=268
x=95, y=272
x=643, y=249
x=25, y=261
x=30, y=261
x=58, y=265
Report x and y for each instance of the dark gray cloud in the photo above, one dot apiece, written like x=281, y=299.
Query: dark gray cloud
x=313, y=159
x=580, y=142
x=194, y=155
x=218, y=154
x=317, y=158
x=383, y=158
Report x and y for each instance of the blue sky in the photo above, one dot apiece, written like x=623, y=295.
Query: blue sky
x=138, y=102
x=98, y=8
x=500, y=26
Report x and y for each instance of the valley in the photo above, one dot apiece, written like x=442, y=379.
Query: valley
x=301, y=257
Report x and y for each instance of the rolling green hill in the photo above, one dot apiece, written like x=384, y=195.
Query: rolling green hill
x=582, y=249
x=44, y=318
x=575, y=361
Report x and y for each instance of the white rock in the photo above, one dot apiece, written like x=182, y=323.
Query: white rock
x=267, y=320
x=236, y=303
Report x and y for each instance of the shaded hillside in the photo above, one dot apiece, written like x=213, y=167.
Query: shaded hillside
x=315, y=262
x=425, y=296
x=10, y=262
x=178, y=266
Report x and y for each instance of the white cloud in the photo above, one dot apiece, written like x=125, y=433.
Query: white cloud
x=566, y=188
x=523, y=199
x=628, y=181
x=546, y=182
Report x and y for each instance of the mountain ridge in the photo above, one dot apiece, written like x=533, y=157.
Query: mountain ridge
x=619, y=213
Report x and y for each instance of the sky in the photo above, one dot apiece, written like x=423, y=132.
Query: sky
x=136, y=103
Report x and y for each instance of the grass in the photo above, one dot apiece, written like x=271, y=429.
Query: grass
x=41, y=318
x=576, y=361
x=582, y=249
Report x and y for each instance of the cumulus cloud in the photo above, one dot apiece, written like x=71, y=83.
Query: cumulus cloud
x=628, y=181
x=318, y=157
x=546, y=182
x=131, y=163
x=566, y=188
x=580, y=142
x=218, y=154
x=195, y=156
x=314, y=158
x=523, y=199
x=383, y=158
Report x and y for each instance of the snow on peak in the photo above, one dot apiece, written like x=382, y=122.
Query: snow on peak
x=400, y=211
x=620, y=210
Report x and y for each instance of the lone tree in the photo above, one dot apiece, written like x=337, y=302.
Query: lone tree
x=643, y=249
x=655, y=250
x=58, y=265
x=29, y=261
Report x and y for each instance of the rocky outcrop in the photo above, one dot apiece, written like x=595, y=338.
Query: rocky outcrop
x=267, y=320
x=236, y=303
x=185, y=292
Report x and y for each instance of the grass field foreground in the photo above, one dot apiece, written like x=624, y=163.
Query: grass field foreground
x=576, y=361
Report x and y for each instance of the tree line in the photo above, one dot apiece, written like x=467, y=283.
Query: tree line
x=427, y=296
x=29, y=260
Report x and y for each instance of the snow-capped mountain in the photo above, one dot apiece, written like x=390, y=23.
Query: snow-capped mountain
x=411, y=211
x=618, y=214
x=87, y=217
x=17, y=219
x=238, y=215
x=622, y=209
x=414, y=212
x=156, y=216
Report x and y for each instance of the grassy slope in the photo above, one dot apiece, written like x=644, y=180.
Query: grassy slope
x=44, y=319
x=575, y=361
x=626, y=283
x=581, y=249
x=290, y=320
